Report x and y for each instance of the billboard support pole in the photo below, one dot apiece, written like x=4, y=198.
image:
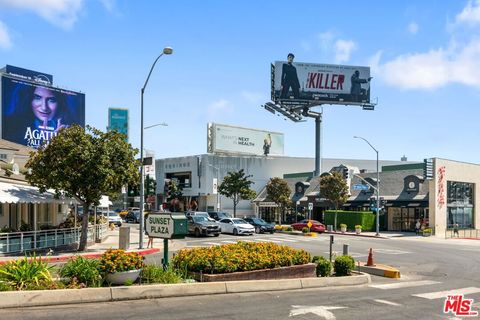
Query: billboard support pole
x=318, y=138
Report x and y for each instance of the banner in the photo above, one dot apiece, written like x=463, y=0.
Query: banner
x=32, y=114
x=118, y=120
x=231, y=139
x=305, y=83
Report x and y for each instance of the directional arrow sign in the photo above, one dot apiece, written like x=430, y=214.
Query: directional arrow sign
x=321, y=311
x=361, y=187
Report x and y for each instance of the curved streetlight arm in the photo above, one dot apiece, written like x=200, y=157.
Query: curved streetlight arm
x=151, y=70
x=367, y=142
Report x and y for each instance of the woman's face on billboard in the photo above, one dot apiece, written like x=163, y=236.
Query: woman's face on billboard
x=44, y=104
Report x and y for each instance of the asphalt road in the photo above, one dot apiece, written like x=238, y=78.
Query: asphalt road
x=430, y=269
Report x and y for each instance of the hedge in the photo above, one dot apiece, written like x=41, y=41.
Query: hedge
x=351, y=218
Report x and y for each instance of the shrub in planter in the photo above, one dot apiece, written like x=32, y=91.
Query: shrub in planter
x=324, y=267
x=305, y=230
x=155, y=274
x=82, y=270
x=21, y=273
x=118, y=261
x=343, y=265
x=287, y=228
x=241, y=256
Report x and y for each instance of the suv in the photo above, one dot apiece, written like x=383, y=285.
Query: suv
x=219, y=215
x=201, y=225
x=260, y=225
x=132, y=217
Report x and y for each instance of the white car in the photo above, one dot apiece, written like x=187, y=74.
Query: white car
x=236, y=226
x=114, y=218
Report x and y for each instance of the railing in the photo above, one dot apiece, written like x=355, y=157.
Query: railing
x=43, y=239
x=463, y=233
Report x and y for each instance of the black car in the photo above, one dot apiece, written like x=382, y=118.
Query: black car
x=261, y=226
x=132, y=217
x=219, y=215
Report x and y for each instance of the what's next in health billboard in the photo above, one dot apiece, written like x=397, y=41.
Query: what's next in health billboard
x=32, y=113
x=118, y=120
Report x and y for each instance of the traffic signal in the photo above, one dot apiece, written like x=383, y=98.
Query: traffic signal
x=383, y=202
x=345, y=173
x=167, y=189
x=428, y=169
x=133, y=191
x=150, y=186
x=373, y=203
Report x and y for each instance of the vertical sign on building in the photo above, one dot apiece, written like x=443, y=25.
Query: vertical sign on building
x=118, y=121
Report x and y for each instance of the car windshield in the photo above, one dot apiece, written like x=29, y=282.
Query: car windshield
x=200, y=219
x=258, y=220
x=239, y=221
x=113, y=214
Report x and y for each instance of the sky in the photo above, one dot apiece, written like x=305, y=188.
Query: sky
x=423, y=57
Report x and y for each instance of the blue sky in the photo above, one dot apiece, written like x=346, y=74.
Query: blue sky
x=423, y=57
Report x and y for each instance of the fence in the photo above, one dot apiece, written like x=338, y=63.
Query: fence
x=25, y=241
x=463, y=233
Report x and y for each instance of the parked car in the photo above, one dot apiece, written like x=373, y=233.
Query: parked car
x=261, y=226
x=132, y=217
x=236, y=226
x=219, y=215
x=316, y=225
x=201, y=225
x=114, y=218
x=198, y=214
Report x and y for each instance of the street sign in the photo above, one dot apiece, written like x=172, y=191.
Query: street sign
x=361, y=187
x=310, y=206
x=309, y=224
x=159, y=226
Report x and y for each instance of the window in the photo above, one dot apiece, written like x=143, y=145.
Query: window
x=460, y=204
x=3, y=156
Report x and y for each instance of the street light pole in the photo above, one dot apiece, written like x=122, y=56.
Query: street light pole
x=218, y=181
x=377, y=229
x=166, y=50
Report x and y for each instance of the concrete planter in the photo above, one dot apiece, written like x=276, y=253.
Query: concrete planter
x=123, y=277
x=358, y=231
x=291, y=272
x=343, y=229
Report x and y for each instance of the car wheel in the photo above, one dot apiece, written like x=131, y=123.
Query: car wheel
x=235, y=232
x=197, y=233
x=257, y=230
x=216, y=234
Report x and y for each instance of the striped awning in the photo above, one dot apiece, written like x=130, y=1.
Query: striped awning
x=18, y=193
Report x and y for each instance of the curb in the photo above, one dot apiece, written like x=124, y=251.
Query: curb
x=380, y=270
x=53, y=259
x=356, y=235
x=18, y=299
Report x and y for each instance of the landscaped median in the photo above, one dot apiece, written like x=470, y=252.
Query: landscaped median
x=15, y=299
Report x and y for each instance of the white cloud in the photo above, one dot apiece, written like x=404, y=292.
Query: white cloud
x=325, y=40
x=455, y=62
x=343, y=49
x=470, y=14
x=62, y=13
x=5, y=42
x=219, y=108
x=412, y=28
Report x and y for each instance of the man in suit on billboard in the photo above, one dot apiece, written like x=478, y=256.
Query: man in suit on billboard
x=356, y=89
x=289, y=79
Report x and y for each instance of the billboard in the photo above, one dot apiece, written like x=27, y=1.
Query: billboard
x=29, y=75
x=118, y=120
x=32, y=114
x=309, y=83
x=230, y=139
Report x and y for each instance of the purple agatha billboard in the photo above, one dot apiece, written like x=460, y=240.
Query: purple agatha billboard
x=32, y=114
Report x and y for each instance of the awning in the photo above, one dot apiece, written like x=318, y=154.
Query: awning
x=104, y=202
x=17, y=193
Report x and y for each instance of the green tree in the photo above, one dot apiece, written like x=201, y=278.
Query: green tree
x=84, y=164
x=278, y=191
x=175, y=193
x=334, y=188
x=236, y=185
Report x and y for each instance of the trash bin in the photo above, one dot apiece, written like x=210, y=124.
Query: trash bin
x=124, y=238
x=330, y=228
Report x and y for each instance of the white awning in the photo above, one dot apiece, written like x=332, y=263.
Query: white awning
x=18, y=193
x=105, y=202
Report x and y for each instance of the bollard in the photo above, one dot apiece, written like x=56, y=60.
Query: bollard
x=331, y=247
x=124, y=238
x=345, y=249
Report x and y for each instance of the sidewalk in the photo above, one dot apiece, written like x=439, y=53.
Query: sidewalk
x=110, y=242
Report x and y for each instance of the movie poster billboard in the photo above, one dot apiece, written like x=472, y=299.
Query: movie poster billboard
x=32, y=113
x=118, y=120
x=230, y=139
x=307, y=83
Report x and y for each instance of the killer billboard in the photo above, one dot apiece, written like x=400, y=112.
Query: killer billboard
x=238, y=140
x=309, y=83
x=32, y=114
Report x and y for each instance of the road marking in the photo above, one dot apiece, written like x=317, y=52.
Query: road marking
x=282, y=239
x=387, y=302
x=405, y=284
x=321, y=311
x=265, y=240
x=353, y=254
x=212, y=243
x=389, y=251
x=444, y=294
x=228, y=241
